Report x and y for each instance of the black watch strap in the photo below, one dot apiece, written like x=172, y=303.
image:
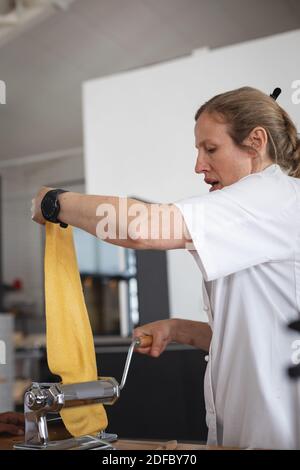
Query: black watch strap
x=50, y=206
x=60, y=191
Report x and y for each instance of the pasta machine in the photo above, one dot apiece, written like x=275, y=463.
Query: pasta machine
x=42, y=399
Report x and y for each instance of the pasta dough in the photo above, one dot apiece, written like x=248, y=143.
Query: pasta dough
x=70, y=345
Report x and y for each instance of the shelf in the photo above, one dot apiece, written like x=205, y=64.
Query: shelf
x=114, y=276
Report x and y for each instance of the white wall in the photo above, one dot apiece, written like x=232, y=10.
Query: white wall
x=138, y=129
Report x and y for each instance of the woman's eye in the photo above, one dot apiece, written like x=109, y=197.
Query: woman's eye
x=211, y=150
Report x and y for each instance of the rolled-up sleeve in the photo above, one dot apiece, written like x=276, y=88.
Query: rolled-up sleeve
x=238, y=227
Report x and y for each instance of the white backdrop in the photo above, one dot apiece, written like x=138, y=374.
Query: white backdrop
x=138, y=130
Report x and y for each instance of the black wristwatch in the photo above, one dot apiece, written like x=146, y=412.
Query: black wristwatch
x=50, y=206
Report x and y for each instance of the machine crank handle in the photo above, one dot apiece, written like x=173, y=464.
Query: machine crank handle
x=143, y=341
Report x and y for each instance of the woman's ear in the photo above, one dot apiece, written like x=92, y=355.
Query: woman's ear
x=258, y=140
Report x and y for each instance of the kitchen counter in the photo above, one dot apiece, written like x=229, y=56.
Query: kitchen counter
x=57, y=431
x=38, y=342
x=7, y=443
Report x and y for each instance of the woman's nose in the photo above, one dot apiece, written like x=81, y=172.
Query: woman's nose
x=201, y=165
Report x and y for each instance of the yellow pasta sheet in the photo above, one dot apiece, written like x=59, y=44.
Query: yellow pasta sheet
x=70, y=346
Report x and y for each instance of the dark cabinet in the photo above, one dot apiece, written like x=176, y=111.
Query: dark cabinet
x=163, y=397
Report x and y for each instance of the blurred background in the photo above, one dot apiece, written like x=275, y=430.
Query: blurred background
x=98, y=96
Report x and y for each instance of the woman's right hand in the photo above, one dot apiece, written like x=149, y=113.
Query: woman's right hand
x=163, y=333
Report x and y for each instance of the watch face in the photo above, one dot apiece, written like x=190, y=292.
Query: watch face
x=49, y=208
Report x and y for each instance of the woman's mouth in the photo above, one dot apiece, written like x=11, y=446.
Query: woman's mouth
x=214, y=185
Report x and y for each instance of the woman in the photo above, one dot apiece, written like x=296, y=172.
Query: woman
x=245, y=238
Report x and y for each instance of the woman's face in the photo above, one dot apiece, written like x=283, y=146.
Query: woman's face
x=219, y=159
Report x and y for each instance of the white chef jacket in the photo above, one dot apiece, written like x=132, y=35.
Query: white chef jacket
x=247, y=245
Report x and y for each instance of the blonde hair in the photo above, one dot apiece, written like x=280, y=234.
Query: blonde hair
x=244, y=109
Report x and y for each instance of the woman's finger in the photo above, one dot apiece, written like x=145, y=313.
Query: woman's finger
x=158, y=344
x=144, y=350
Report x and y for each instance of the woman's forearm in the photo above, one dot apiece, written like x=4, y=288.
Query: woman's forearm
x=194, y=333
x=122, y=221
x=106, y=217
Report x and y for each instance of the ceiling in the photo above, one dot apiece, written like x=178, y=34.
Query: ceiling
x=44, y=67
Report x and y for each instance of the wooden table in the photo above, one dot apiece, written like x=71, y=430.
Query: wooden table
x=57, y=431
x=123, y=444
x=7, y=443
